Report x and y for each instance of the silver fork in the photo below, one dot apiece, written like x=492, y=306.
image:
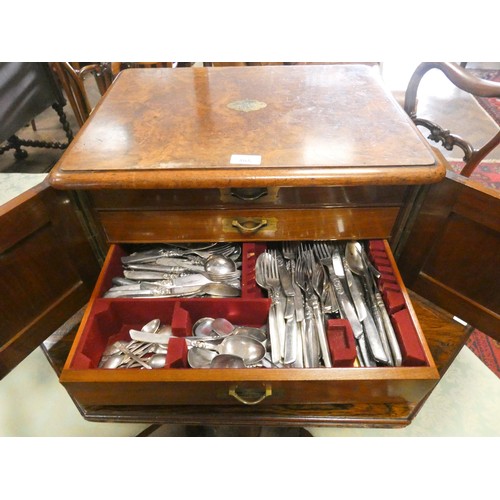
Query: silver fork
x=289, y=250
x=323, y=253
x=273, y=279
x=262, y=279
x=314, y=300
x=310, y=345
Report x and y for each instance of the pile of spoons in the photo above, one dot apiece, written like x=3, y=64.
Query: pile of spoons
x=215, y=343
x=139, y=353
x=224, y=345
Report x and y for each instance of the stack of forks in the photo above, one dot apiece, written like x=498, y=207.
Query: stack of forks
x=310, y=283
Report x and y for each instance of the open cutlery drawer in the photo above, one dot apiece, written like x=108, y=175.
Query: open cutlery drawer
x=108, y=320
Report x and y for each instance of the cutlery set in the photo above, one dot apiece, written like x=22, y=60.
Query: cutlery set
x=176, y=271
x=309, y=283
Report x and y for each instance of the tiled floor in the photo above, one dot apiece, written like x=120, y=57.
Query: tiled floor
x=33, y=403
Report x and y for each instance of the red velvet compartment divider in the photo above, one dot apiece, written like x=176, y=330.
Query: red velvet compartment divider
x=249, y=253
x=249, y=288
x=388, y=285
x=376, y=245
x=112, y=267
x=341, y=342
x=409, y=343
x=394, y=300
x=411, y=348
x=111, y=320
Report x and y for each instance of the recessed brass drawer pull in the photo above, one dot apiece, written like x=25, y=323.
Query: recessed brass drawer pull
x=247, y=396
x=249, y=226
x=249, y=194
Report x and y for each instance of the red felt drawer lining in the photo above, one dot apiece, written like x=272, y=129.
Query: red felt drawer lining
x=341, y=342
x=111, y=319
x=411, y=348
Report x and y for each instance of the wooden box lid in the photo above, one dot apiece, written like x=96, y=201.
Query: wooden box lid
x=247, y=126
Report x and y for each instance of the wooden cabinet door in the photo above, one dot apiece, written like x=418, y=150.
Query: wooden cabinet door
x=47, y=268
x=452, y=253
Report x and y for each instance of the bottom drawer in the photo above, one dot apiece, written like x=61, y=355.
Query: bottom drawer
x=349, y=379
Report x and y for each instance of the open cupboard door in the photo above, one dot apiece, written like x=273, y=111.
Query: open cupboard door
x=48, y=270
x=451, y=253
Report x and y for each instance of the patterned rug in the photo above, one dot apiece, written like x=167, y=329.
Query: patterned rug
x=486, y=349
x=491, y=105
x=487, y=174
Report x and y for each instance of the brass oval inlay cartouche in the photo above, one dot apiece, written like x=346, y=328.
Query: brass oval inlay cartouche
x=247, y=105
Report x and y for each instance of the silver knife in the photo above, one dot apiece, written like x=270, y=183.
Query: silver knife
x=389, y=330
x=290, y=348
x=286, y=280
x=345, y=304
x=356, y=292
x=373, y=338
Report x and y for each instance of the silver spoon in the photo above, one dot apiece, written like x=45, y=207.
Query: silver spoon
x=203, y=327
x=222, y=326
x=227, y=361
x=152, y=326
x=252, y=332
x=200, y=358
x=219, y=265
x=249, y=349
x=157, y=360
x=354, y=257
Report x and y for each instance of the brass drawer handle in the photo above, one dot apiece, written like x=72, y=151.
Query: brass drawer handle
x=250, y=194
x=249, y=226
x=245, y=399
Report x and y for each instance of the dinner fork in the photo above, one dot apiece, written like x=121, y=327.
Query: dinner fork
x=273, y=278
x=314, y=301
x=263, y=280
x=310, y=345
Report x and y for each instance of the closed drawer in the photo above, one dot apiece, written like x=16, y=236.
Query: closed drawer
x=153, y=226
x=107, y=320
x=272, y=197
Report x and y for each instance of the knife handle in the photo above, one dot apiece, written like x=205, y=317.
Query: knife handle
x=391, y=334
x=320, y=328
x=286, y=281
x=280, y=323
x=382, y=333
x=274, y=336
x=373, y=340
x=290, y=350
x=347, y=308
x=365, y=359
x=289, y=308
x=309, y=341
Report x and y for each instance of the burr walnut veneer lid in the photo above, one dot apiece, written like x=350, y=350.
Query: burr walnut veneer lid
x=247, y=126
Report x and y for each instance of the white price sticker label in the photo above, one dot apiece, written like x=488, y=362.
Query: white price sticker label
x=246, y=159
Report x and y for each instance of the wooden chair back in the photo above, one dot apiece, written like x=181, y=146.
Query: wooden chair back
x=71, y=82
x=464, y=80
